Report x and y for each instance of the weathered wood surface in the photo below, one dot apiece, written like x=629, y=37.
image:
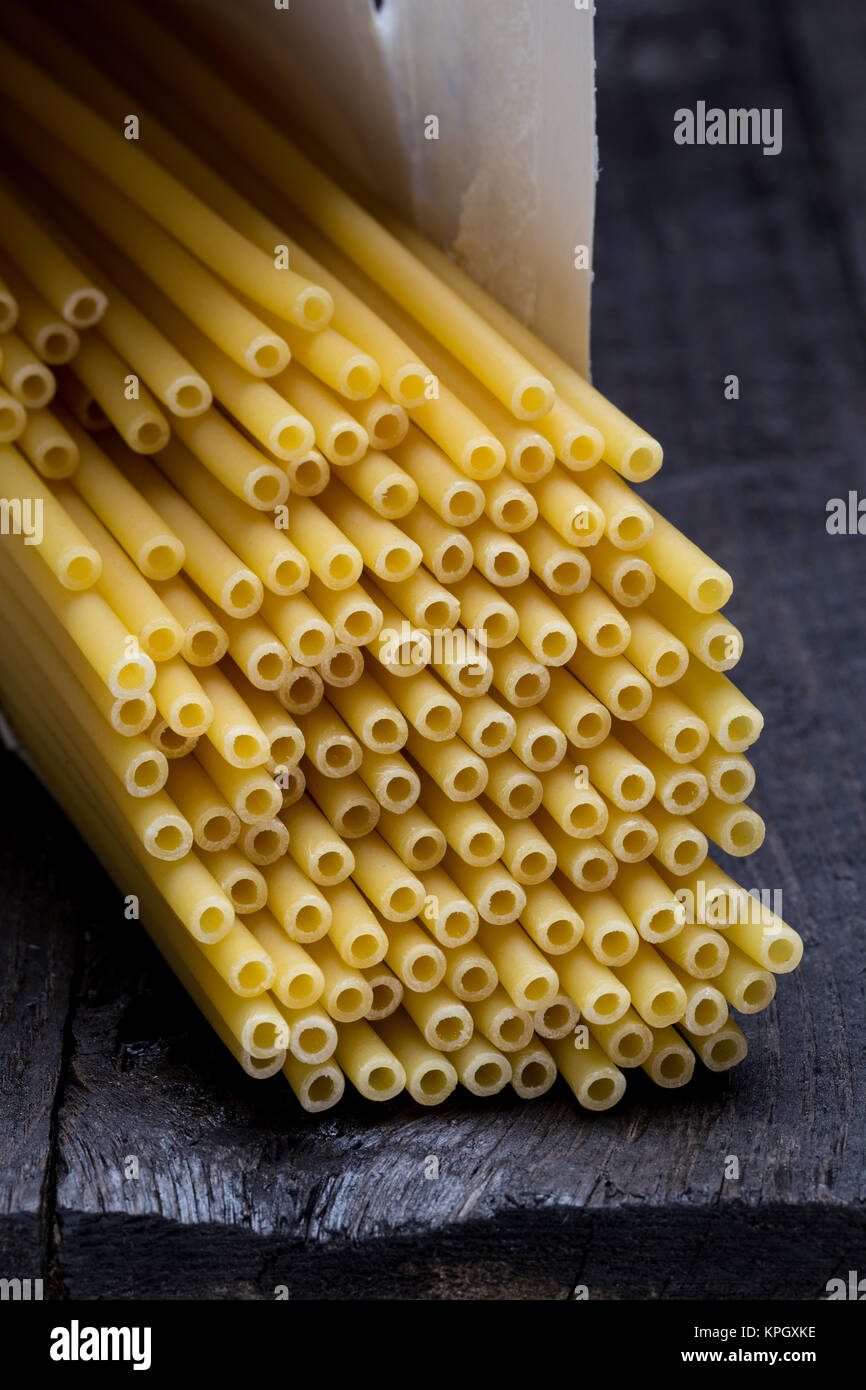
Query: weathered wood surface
x=40, y=952
x=708, y=262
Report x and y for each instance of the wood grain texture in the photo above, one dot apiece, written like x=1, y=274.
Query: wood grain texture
x=823, y=47
x=39, y=973
x=708, y=262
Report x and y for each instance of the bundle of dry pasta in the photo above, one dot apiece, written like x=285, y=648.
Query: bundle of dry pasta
x=333, y=621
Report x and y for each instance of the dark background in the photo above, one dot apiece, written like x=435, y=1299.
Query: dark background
x=708, y=261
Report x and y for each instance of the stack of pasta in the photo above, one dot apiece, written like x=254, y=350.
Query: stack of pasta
x=331, y=616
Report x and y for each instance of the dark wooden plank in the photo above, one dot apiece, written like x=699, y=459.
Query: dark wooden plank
x=824, y=46
x=38, y=972
x=707, y=262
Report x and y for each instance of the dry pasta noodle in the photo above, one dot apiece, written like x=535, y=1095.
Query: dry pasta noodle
x=409, y=721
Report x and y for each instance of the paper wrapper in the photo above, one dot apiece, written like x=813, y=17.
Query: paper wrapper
x=508, y=188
